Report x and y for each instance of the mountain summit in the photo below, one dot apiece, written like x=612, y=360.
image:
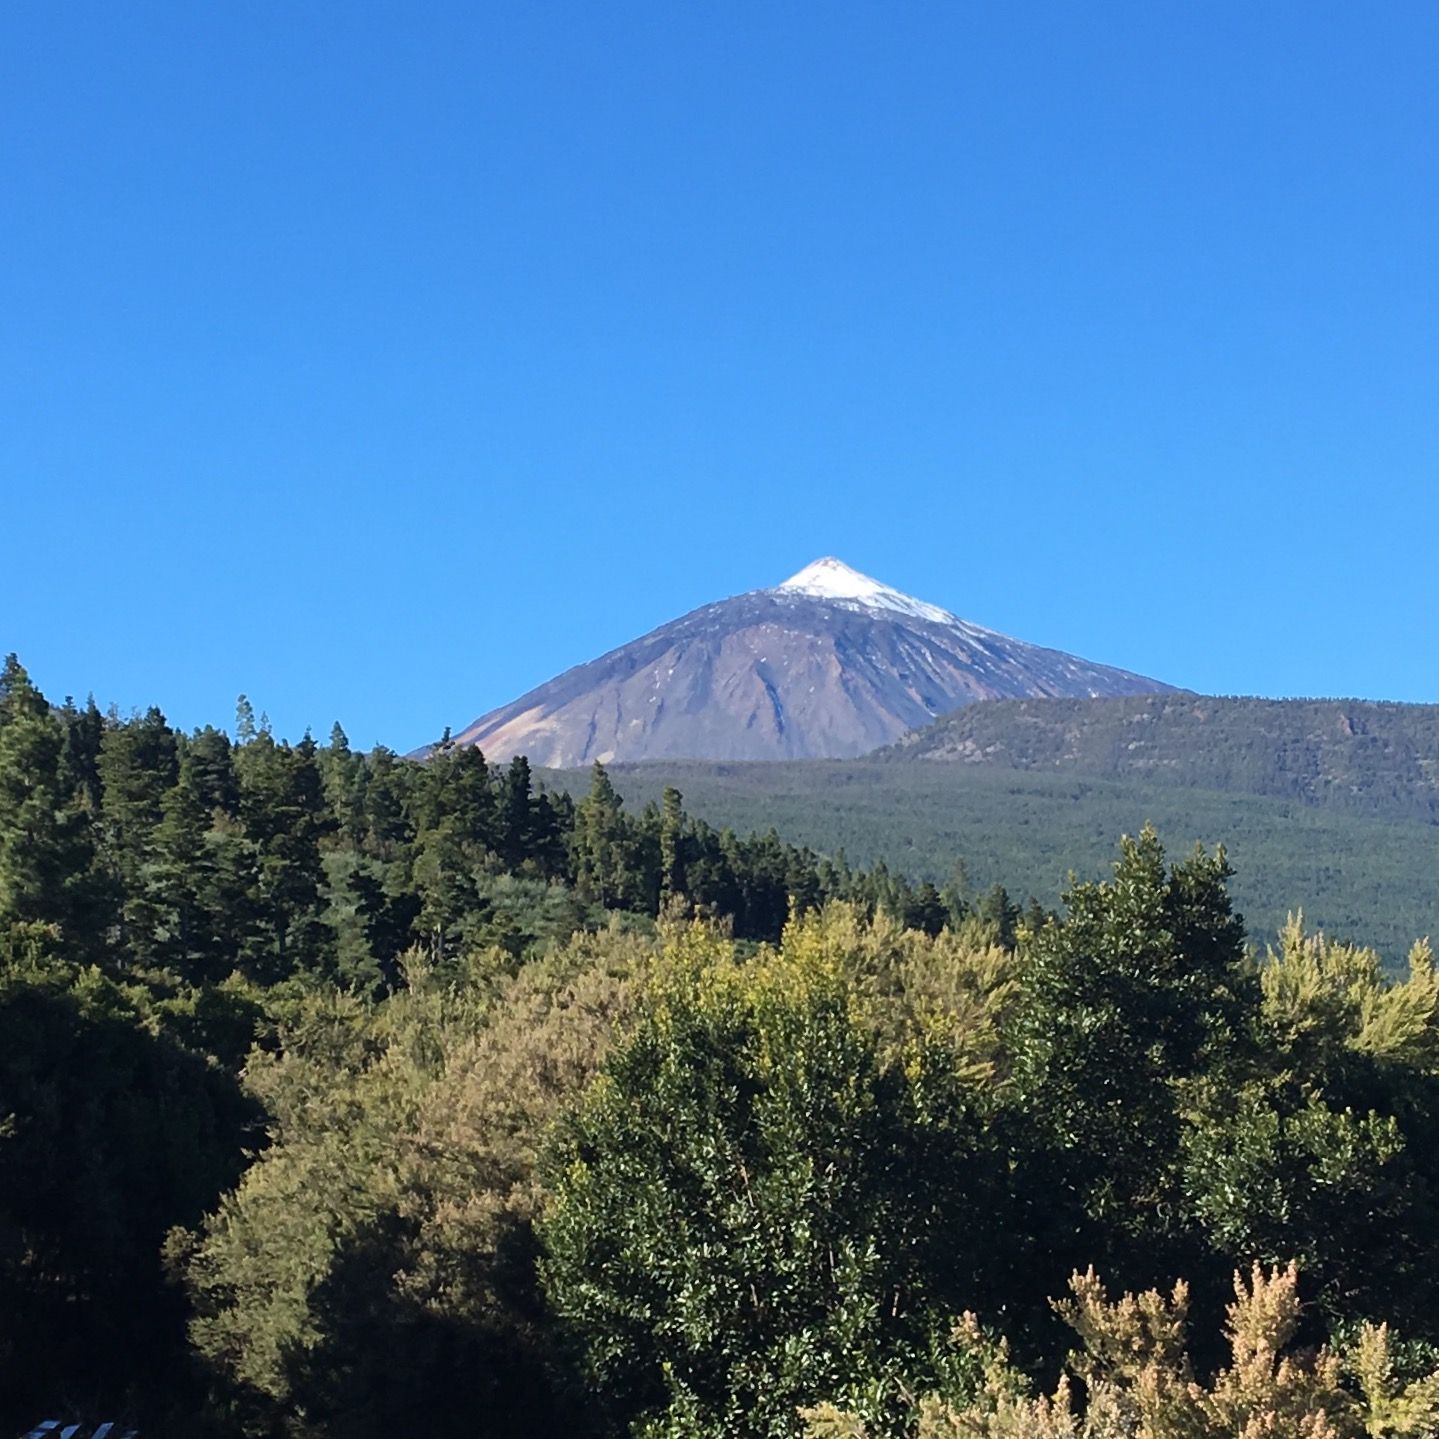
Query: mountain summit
x=832, y=579
x=828, y=665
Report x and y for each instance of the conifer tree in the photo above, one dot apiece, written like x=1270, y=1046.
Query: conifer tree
x=212, y=760
x=387, y=822
x=516, y=816
x=137, y=767
x=180, y=874
x=600, y=843
x=926, y=910
x=285, y=816
x=344, y=791
x=46, y=843
x=470, y=797
x=227, y=891
x=671, y=838
x=245, y=730
x=80, y=760
x=444, y=879
x=388, y=909
x=997, y=910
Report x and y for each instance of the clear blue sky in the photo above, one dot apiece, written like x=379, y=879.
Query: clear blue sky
x=382, y=360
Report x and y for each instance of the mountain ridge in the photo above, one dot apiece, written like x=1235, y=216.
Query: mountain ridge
x=1362, y=756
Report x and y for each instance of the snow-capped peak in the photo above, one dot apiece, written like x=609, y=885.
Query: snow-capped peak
x=832, y=579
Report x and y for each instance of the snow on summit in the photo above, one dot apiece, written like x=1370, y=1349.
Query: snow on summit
x=832, y=579
x=828, y=665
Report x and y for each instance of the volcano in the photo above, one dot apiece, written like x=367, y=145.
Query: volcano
x=828, y=665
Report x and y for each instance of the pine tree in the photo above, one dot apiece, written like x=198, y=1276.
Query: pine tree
x=245, y=730
x=80, y=760
x=180, y=874
x=383, y=797
x=285, y=816
x=956, y=895
x=227, y=890
x=601, y=868
x=46, y=843
x=671, y=837
x=516, y=817
x=997, y=910
x=926, y=910
x=388, y=910
x=456, y=786
x=344, y=791
x=470, y=797
x=444, y=878
x=137, y=766
x=552, y=821
x=212, y=758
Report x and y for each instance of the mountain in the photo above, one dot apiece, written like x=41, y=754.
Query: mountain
x=830, y=664
x=1361, y=756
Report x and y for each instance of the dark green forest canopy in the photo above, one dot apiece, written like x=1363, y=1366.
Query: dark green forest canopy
x=1367, y=878
x=208, y=855
x=345, y=1095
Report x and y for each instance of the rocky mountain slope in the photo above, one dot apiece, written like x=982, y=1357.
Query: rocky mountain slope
x=829, y=664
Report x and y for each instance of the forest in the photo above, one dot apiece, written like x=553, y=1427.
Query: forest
x=344, y=1094
x=1358, y=876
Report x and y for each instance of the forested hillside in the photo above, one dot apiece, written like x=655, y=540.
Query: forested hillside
x=1359, y=877
x=347, y=1096
x=1358, y=756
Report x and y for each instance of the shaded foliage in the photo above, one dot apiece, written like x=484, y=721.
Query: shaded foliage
x=115, y=1125
x=375, y=1268
x=345, y=1094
